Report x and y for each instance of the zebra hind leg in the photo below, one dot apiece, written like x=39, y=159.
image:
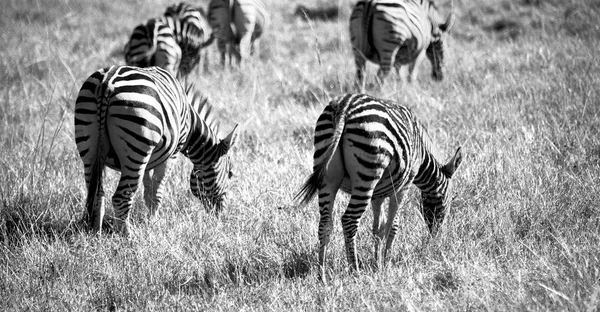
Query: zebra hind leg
x=327, y=193
x=123, y=197
x=377, y=229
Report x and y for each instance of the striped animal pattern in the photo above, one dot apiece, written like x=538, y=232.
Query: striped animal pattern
x=373, y=149
x=397, y=33
x=238, y=25
x=192, y=33
x=153, y=44
x=135, y=120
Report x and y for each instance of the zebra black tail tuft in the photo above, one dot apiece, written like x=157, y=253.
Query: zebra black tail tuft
x=94, y=186
x=311, y=186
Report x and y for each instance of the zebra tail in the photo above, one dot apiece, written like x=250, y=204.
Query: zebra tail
x=93, y=187
x=100, y=158
x=315, y=180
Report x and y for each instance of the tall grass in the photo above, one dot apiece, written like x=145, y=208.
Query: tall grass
x=520, y=95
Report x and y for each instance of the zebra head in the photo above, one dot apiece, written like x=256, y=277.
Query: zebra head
x=212, y=172
x=210, y=181
x=436, y=200
x=435, y=50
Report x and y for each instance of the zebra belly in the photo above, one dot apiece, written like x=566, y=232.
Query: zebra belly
x=386, y=187
x=112, y=159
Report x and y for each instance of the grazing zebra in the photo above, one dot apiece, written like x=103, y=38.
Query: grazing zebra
x=192, y=33
x=153, y=44
x=395, y=33
x=239, y=23
x=136, y=119
x=373, y=149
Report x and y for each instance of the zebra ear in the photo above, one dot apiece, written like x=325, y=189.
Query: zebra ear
x=448, y=23
x=449, y=168
x=228, y=141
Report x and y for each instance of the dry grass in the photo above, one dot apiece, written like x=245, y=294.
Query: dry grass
x=521, y=96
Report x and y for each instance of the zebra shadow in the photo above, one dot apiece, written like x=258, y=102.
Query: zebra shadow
x=26, y=219
x=210, y=280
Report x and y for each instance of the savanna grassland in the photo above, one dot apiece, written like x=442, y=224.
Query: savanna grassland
x=521, y=95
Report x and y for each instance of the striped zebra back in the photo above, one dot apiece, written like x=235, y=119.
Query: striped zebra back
x=393, y=33
x=191, y=30
x=153, y=44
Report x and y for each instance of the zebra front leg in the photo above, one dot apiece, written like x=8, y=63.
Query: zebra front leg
x=385, y=65
x=413, y=68
x=244, y=48
x=391, y=226
x=221, y=45
x=154, y=187
x=359, y=61
x=255, y=47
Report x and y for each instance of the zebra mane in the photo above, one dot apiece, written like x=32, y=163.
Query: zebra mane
x=200, y=103
x=428, y=143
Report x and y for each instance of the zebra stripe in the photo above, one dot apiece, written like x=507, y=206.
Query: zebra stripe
x=192, y=32
x=373, y=149
x=397, y=33
x=239, y=24
x=153, y=44
x=135, y=120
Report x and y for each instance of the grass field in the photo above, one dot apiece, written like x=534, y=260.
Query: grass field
x=521, y=94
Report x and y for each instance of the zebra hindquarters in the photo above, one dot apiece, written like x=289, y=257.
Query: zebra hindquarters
x=365, y=168
x=133, y=141
x=168, y=55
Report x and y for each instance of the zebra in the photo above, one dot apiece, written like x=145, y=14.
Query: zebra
x=239, y=23
x=396, y=33
x=373, y=149
x=153, y=44
x=192, y=32
x=136, y=119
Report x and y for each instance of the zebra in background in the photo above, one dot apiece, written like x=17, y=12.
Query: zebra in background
x=136, y=119
x=192, y=33
x=373, y=149
x=239, y=24
x=153, y=44
x=396, y=33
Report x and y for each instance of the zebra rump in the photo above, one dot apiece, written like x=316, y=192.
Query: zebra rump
x=397, y=33
x=192, y=32
x=237, y=25
x=153, y=44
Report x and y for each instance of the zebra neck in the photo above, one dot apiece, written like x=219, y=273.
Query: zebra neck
x=429, y=178
x=202, y=140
